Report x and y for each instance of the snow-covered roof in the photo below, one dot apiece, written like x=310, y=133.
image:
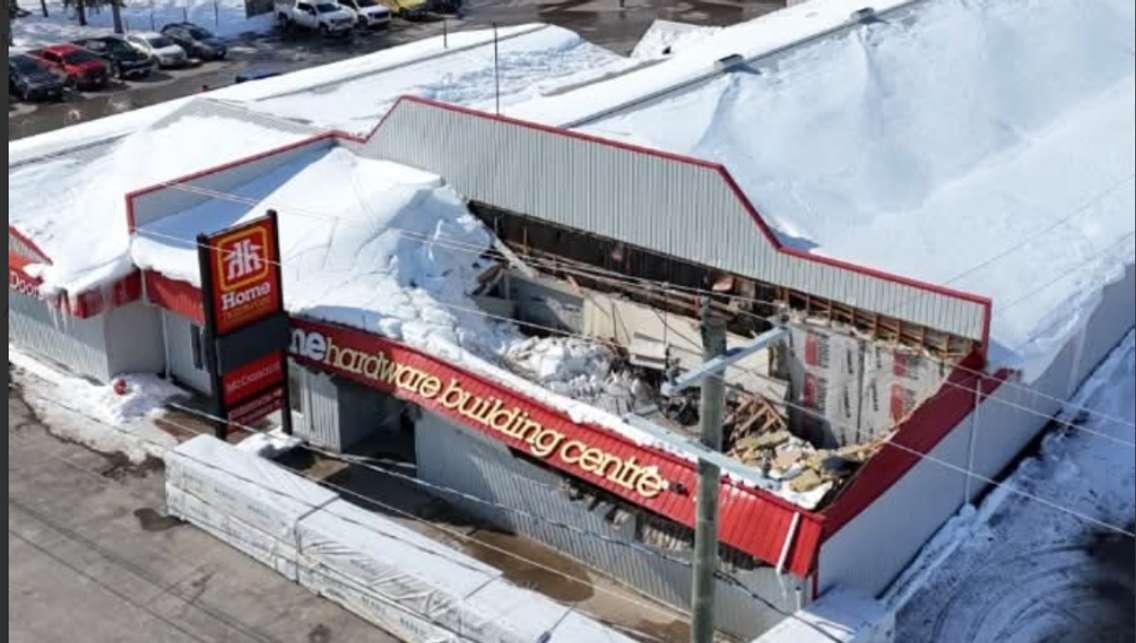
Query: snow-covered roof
x=89, y=168
x=982, y=145
x=72, y=203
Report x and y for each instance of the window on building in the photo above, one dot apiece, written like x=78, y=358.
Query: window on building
x=195, y=344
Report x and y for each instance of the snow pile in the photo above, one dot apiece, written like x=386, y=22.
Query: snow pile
x=664, y=38
x=954, y=142
x=578, y=369
x=389, y=251
x=83, y=226
x=77, y=409
x=993, y=573
x=532, y=59
x=222, y=17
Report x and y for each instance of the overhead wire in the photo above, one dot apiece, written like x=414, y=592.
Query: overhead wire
x=667, y=613
x=591, y=272
x=945, y=382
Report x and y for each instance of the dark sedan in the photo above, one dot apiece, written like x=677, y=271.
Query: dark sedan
x=196, y=41
x=30, y=79
x=126, y=61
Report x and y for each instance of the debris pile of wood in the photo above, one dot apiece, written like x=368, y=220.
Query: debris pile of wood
x=757, y=434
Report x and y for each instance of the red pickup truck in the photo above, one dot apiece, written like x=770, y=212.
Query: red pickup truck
x=83, y=69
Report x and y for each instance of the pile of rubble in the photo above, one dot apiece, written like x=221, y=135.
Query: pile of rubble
x=757, y=434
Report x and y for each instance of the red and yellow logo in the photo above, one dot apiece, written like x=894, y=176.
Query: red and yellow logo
x=242, y=258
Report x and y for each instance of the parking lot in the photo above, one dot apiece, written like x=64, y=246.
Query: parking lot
x=603, y=22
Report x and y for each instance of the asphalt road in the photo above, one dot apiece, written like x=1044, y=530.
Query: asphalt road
x=603, y=22
x=92, y=558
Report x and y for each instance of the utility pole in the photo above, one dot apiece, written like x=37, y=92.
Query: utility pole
x=116, y=13
x=82, y=10
x=709, y=476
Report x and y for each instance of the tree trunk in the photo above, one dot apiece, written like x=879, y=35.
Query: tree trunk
x=82, y=12
x=116, y=11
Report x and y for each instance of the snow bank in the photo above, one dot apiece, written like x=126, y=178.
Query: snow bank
x=83, y=226
x=665, y=38
x=985, y=566
x=388, y=250
x=222, y=17
x=951, y=144
x=579, y=369
x=146, y=394
x=354, y=95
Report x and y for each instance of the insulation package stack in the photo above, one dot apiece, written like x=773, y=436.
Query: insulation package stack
x=863, y=388
x=825, y=369
x=402, y=581
x=247, y=501
x=422, y=590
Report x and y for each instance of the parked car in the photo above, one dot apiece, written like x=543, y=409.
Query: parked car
x=125, y=60
x=368, y=13
x=81, y=68
x=160, y=48
x=31, y=79
x=196, y=41
x=407, y=9
x=325, y=16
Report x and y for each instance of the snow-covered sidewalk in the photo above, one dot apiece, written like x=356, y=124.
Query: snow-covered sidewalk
x=1017, y=570
x=81, y=411
x=222, y=17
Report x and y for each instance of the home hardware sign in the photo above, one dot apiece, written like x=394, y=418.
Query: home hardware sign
x=376, y=362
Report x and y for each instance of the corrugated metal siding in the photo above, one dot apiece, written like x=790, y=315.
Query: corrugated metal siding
x=664, y=204
x=178, y=333
x=451, y=456
x=319, y=407
x=39, y=328
x=134, y=339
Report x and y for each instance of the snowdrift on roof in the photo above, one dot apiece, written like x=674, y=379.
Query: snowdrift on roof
x=982, y=145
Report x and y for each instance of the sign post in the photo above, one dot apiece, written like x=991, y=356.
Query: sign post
x=246, y=328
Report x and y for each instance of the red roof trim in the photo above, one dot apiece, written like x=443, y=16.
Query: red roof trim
x=130, y=196
x=23, y=238
x=767, y=232
x=174, y=295
x=921, y=432
x=753, y=520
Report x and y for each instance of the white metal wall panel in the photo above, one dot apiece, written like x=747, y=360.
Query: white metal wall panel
x=453, y=457
x=871, y=550
x=319, y=408
x=1108, y=324
x=38, y=328
x=665, y=205
x=178, y=332
x=134, y=339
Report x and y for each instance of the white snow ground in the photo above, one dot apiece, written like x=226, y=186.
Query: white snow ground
x=533, y=60
x=1018, y=570
x=131, y=412
x=62, y=25
x=981, y=144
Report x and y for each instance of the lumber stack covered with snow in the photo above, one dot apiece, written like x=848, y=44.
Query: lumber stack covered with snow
x=394, y=577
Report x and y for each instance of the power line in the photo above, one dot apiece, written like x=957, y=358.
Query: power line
x=634, y=282
x=944, y=382
x=668, y=614
x=733, y=580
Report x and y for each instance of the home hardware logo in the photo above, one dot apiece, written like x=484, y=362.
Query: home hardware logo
x=242, y=258
x=487, y=410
